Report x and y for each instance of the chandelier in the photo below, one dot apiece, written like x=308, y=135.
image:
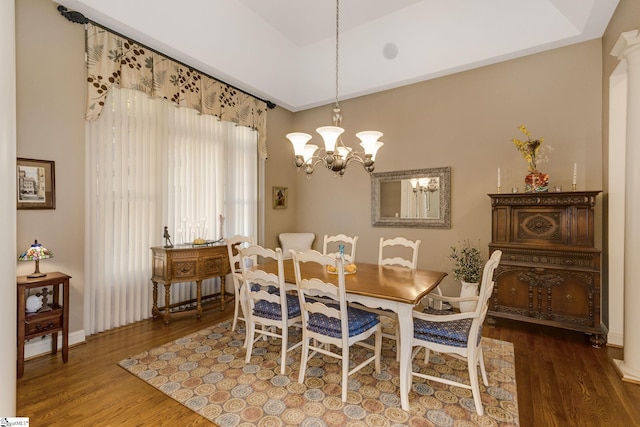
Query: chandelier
x=335, y=155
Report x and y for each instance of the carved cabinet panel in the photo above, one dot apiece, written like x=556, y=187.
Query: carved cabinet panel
x=550, y=270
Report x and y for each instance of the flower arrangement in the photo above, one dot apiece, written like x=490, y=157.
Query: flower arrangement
x=467, y=262
x=529, y=148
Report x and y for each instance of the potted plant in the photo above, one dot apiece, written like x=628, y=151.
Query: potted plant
x=467, y=267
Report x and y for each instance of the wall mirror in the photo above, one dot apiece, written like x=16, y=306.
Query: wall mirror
x=412, y=198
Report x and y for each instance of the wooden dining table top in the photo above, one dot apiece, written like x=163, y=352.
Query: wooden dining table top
x=393, y=283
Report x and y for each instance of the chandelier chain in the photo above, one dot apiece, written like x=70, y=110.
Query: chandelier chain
x=335, y=155
x=337, y=46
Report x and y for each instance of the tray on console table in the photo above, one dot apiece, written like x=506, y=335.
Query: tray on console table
x=549, y=273
x=184, y=264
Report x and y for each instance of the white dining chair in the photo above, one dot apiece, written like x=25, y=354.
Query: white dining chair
x=295, y=241
x=401, y=252
x=331, y=244
x=269, y=305
x=233, y=245
x=457, y=334
x=327, y=319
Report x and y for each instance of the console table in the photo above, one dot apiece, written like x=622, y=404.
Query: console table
x=51, y=318
x=188, y=263
x=550, y=270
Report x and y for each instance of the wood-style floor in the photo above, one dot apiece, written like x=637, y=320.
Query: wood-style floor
x=562, y=380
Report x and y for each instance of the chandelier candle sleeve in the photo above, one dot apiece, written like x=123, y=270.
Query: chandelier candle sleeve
x=575, y=173
x=498, y=177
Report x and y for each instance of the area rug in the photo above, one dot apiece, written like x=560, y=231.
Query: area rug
x=206, y=372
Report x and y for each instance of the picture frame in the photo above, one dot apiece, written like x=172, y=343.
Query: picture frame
x=35, y=184
x=280, y=197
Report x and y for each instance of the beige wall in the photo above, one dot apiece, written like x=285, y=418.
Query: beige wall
x=465, y=121
x=50, y=126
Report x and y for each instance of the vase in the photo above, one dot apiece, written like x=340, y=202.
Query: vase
x=468, y=290
x=536, y=182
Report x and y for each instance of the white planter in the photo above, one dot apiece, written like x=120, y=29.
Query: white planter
x=468, y=290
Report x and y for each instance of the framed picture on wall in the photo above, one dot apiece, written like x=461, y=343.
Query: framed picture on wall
x=36, y=184
x=280, y=197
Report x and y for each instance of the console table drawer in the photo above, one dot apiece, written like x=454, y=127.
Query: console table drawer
x=43, y=323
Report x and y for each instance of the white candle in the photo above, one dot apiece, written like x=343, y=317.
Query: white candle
x=575, y=173
x=498, y=177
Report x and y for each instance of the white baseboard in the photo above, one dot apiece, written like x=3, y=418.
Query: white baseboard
x=615, y=340
x=39, y=346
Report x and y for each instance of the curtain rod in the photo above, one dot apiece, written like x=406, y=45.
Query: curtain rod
x=79, y=18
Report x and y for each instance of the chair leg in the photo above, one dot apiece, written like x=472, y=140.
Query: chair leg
x=283, y=357
x=378, y=349
x=345, y=372
x=304, y=358
x=397, y=343
x=483, y=370
x=236, y=310
x=248, y=342
x=475, y=386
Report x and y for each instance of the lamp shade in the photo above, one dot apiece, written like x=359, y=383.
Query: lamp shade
x=330, y=136
x=36, y=252
x=298, y=139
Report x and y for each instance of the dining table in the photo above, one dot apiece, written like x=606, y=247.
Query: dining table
x=385, y=287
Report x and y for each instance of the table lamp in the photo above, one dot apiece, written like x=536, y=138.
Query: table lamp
x=35, y=253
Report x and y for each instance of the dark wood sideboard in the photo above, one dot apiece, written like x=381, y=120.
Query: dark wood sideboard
x=549, y=273
x=184, y=264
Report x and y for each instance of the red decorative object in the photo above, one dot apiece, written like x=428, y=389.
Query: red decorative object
x=536, y=182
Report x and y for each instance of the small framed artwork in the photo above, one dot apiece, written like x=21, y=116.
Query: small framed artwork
x=280, y=197
x=36, y=184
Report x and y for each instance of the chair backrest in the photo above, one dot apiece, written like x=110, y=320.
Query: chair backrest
x=299, y=242
x=314, y=293
x=260, y=285
x=487, y=284
x=387, y=245
x=233, y=245
x=330, y=246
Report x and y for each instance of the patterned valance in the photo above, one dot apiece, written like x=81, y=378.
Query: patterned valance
x=114, y=60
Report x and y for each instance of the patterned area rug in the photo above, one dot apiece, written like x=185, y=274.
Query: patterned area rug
x=205, y=371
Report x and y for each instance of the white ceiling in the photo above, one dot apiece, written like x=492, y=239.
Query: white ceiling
x=284, y=50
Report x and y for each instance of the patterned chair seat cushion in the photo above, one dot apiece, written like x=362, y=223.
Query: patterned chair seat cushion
x=359, y=321
x=255, y=287
x=454, y=333
x=271, y=310
x=436, y=312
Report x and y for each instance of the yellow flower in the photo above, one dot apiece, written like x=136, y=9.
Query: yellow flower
x=528, y=148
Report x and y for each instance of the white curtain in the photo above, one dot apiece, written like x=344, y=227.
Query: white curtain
x=150, y=164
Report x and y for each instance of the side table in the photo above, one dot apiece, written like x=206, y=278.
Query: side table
x=52, y=318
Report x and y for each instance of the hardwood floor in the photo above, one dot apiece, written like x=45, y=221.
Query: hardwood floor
x=562, y=380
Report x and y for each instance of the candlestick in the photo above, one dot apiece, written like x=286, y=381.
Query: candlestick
x=221, y=219
x=575, y=173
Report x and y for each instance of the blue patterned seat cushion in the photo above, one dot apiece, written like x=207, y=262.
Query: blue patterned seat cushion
x=270, y=289
x=454, y=333
x=271, y=310
x=435, y=311
x=359, y=321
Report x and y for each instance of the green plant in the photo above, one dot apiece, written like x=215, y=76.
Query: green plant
x=467, y=262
